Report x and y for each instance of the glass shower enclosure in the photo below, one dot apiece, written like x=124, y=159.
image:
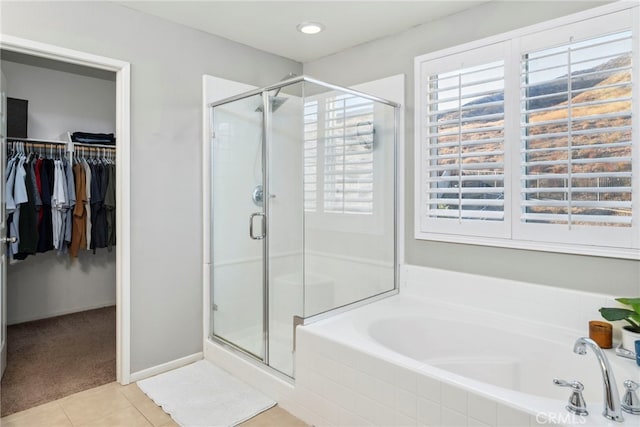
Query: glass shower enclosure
x=303, y=210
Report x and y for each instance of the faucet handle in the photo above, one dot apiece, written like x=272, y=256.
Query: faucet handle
x=575, y=385
x=576, y=405
x=630, y=400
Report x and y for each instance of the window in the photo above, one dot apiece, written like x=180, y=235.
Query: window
x=310, y=156
x=464, y=167
x=530, y=139
x=576, y=133
x=339, y=161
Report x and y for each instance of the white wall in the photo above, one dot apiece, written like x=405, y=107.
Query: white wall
x=48, y=285
x=167, y=64
x=62, y=101
x=393, y=55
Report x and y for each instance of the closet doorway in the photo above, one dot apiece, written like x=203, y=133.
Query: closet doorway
x=12, y=47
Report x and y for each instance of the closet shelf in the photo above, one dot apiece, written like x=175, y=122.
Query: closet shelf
x=83, y=144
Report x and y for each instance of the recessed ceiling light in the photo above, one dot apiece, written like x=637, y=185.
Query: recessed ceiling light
x=310, y=27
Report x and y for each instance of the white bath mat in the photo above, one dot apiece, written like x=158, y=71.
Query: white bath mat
x=203, y=395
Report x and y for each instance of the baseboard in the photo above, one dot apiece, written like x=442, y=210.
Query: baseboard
x=59, y=313
x=164, y=367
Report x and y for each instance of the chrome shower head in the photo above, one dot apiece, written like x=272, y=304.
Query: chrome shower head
x=276, y=102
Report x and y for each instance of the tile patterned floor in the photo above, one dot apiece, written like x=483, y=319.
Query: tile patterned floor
x=113, y=405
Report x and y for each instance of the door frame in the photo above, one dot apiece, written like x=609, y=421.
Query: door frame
x=123, y=178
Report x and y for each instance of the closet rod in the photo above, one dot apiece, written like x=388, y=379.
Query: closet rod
x=45, y=145
x=35, y=140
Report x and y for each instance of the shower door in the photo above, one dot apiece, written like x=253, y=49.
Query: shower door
x=257, y=224
x=238, y=225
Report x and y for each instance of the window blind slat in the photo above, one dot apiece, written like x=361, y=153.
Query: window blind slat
x=467, y=190
x=466, y=143
x=467, y=214
x=466, y=201
x=581, y=104
x=578, y=203
x=623, y=85
x=549, y=218
x=465, y=108
x=466, y=166
x=471, y=154
x=471, y=131
x=479, y=118
x=596, y=146
x=577, y=161
x=601, y=190
x=579, y=132
x=436, y=87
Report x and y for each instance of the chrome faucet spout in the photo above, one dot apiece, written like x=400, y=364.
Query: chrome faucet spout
x=612, y=408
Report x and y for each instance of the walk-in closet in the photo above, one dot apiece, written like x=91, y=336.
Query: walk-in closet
x=59, y=294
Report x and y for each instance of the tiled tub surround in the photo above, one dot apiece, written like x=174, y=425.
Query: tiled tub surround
x=424, y=357
x=344, y=377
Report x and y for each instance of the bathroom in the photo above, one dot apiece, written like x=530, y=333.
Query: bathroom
x=166, y=272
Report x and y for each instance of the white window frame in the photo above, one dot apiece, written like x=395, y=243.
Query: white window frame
x=623, y=242
x=478, y=56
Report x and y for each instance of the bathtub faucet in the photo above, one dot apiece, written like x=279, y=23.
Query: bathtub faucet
x=612, y=408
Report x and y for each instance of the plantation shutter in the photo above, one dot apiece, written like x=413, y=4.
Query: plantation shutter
x=529, y=141
x=576, y=133
x=338, y=154
x=310, y=155
x=465, y=144
x=348, y=155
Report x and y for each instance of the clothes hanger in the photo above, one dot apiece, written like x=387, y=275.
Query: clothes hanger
x=30, y=151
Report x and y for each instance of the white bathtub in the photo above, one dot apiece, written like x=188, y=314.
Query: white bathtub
x=405, y=361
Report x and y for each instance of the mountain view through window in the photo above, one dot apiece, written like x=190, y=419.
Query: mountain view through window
x=576, y=133
x=575, y=142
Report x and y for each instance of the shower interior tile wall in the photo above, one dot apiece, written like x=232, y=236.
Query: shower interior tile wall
x=376, y=392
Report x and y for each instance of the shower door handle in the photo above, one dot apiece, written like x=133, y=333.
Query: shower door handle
x=262, y=234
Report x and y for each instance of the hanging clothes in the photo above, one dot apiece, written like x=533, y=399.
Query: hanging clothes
x=99, y=215
x=20, y=197
x=49, y=202
x=58, y=200
x=110, y=206
x=45, y=225
x=27, y=226
x=12, y=230
x=79, y=231
x=89, y=178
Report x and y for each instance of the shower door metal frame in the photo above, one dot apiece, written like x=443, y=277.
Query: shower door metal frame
x=265, y=234
x=266, y=141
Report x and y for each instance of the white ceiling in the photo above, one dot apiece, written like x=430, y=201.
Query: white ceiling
x=271, y=25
